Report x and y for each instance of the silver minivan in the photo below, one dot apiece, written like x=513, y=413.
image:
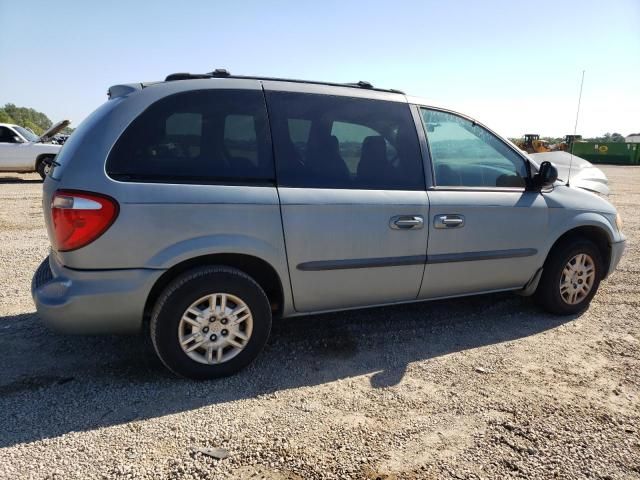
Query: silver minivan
x=203, y=206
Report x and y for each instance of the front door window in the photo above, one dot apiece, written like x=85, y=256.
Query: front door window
x=466, y=155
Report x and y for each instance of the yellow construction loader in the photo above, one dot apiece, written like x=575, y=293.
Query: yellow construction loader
x=533, y=144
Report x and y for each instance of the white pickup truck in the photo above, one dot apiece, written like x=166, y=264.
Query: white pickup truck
x=23, y=151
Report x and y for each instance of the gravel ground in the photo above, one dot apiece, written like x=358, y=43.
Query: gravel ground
x=483, y=387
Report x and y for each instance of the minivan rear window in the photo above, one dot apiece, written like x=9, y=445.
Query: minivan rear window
x=81, y=135
x=202, y=136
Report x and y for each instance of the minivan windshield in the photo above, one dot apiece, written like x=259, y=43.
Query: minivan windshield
x=28, y=134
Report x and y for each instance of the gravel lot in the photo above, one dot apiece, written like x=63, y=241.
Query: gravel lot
x=485, y=387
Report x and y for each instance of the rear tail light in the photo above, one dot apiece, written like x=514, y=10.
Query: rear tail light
x=80, y=217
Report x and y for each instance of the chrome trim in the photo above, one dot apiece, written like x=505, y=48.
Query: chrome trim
x=406, y=222
x=80, y=203
x=455, y=188
x=448, y=221
x=71, y=202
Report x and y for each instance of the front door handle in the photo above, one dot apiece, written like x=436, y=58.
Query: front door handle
x=448, y=221
x=406, y=222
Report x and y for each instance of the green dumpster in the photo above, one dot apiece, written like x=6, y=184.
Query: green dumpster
x=608, y=152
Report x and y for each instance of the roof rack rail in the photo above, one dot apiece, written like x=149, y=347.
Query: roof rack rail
x=224, y=73
x=361, y=84
x=220, y=72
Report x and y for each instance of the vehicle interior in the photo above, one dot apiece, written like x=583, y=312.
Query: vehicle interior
x=348, y=150
x=466, y=155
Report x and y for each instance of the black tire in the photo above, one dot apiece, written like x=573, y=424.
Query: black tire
x=43, y=166
x=548, y=294
x=188, y=288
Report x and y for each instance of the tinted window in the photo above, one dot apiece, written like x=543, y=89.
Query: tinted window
x=6, y=135
x=241, y=138
x=201, y=136
x=341, y=142
x=466, y=155
x=28, y=134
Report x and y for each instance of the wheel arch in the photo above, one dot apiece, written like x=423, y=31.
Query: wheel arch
x=598, y=234
x=43, y=156
x=260, y=270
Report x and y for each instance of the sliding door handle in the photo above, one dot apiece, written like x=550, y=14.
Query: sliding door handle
x=448, y=221
x=406, y=222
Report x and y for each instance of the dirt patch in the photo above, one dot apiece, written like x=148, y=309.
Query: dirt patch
x=481, y=387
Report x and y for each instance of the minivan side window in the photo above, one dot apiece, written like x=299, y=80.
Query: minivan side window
x=202, y=136
x=464, y=154
x=323, y=141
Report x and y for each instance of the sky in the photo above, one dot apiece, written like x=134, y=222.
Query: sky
x=513, y=65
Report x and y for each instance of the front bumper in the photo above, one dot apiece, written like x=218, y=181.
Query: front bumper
x=617, y=249
x=91, y=301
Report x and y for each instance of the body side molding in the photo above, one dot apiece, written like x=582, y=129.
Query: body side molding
x=320, y=265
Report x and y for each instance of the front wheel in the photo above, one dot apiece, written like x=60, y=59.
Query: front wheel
x=44, y=167
x=210, y=322
x=570, y=277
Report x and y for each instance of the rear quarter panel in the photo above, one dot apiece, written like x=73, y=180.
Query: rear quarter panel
x=162, y=224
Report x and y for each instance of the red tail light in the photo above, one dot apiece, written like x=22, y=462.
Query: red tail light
x=80, y=217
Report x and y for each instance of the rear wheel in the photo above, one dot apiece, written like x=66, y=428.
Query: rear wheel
x=44, y=166
x=210, y=322
x=570, y=278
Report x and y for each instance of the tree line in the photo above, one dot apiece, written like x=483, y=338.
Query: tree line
x=29, y=118
x=606, y=138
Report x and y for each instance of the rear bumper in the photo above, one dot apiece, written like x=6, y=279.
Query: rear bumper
x=617, y=249
x=91, y=301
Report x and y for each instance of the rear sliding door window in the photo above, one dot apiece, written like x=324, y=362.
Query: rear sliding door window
x=204, y=136
x=325, y=141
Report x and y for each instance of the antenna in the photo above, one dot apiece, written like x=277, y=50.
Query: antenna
x=575, y=128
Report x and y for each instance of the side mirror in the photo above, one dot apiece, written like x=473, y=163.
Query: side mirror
x=547, y=174
x=17, y=139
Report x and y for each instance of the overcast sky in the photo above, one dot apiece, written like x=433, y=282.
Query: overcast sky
x=513, y=65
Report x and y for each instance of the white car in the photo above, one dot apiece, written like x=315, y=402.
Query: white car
x=23, y=151
x=582, y=173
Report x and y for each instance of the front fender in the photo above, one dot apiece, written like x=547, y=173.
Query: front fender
x=563, y=222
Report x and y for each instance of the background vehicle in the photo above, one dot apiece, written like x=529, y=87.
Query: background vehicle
x=582, y=173
x=533, y=144
x=23, y=151
x=184, y=204
x=59, y=138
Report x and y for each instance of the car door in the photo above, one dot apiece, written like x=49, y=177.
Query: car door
x=485, y=227
x=352, y=195
x=10, y=151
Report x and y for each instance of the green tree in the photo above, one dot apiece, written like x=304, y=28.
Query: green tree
x=607, y=138
x=5, y=117
x=25, y=117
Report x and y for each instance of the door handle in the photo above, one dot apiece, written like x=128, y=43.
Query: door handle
x=406, y=222
x=448, y=221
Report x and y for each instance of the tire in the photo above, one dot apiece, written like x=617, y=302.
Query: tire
x=43, y=166
x=170, y=326
x=549, y=293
